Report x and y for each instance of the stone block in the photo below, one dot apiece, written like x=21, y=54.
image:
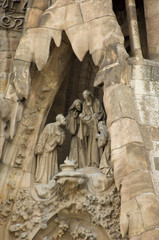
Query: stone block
x=140, y=72
x=155, y=73
x=124, y=131
x=33, y=17
x=140, y=87
x=137, y=238
x=61, y=3
x=150, y=235
x=4, y=43
x=95, y=9
x=24, y=51
x=149, y=208
x=147, y=136
x=128, y=159
x=41, y=4
x=118, y=102
x=14, y=43
x=131, y=221
x=73, y=16
x=156, y=87
x=155, y=133
x=135, y=184
x=62, y=18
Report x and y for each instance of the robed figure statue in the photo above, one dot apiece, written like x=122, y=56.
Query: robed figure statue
x=92, y=113
x=46, y=150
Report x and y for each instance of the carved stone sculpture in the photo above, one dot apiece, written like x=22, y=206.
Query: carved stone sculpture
x=46, y=150
x=10, y=114
x=92, y=112
x=107, y=50
x=80, y=203
x=77, y=151
x=104, y=142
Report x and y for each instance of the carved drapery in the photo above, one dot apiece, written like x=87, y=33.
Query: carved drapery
x=21, y=154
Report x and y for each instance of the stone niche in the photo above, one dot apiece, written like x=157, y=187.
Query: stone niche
x=57, y=59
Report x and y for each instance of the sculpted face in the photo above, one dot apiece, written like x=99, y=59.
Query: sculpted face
x=88, y=97
x=78, y=106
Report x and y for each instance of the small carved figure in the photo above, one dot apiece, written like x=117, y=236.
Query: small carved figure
x=46, y=150
x=92, y=112
x=104, y=142
x=77, y=152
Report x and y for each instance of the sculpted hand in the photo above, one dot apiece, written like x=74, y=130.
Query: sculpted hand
x=38, y=149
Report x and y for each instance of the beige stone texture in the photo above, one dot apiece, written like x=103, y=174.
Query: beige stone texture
x=61, y=18
x=14, y=43
x=140, y=215
x=152, y=234
x=152, y=20
x=96, y=9
x=124, y=131
x=141, y=72
x=134, y=184
x=149, y=210
x=128, y=159
x=155, y=133
x=147, y=136
x=45, y=35
x=61, y=3
x=131, y=219
x=33, y=15
x=118, y=101
x=41, y=4
x=25, y=48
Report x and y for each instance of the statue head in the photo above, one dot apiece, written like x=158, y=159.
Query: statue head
x=77, y=104
x=102, y=126
x=88, y=97
x=61, y=120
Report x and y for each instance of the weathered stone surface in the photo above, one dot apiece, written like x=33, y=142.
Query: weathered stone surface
x=131, y=221
x=134, y=184
x=25, y=48
x=118, y=101
x=155, y=74
x=151, y=234
x=147, y=136
x=124, y=131
x=139, y=215
x=128, y=151
x=129, y=158
x=155, y=133
x=149, y=210
x=140, y=72
x=14, y=43
x=39, y=4
x=33, y=15
x=95, y=9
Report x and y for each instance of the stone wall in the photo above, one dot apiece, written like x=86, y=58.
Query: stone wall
x=144, y=79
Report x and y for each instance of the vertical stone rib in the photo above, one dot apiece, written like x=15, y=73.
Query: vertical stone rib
x=139, y=207
x=151, y=8
x=133, y=28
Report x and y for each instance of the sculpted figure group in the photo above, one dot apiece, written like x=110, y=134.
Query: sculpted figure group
x=90, y=142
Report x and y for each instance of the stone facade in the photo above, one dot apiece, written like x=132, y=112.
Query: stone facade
x=77, y=58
